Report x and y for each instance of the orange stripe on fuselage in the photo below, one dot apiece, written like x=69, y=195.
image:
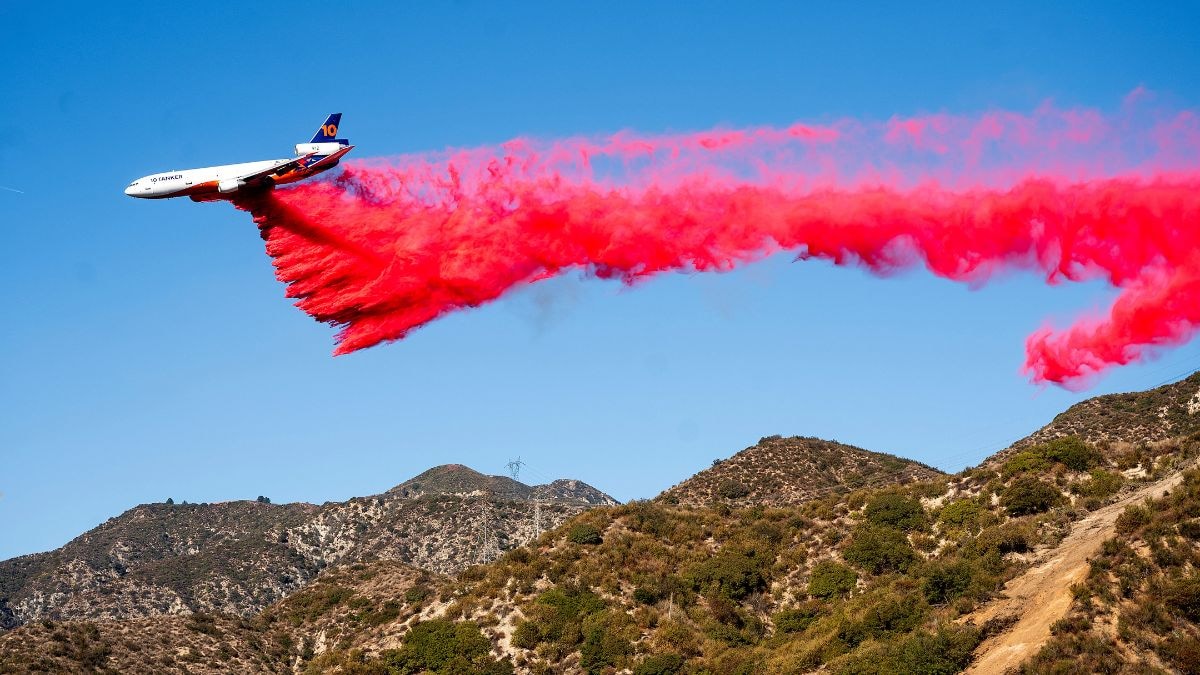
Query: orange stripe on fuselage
x=209, y=190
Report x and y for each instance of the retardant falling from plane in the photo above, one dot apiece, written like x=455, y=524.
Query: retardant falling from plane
x=390, y=245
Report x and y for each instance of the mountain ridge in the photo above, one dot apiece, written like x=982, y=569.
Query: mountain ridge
x=458, y=479
x=240, y=556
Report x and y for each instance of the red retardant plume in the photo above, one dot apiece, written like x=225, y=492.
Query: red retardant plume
x=390, y=245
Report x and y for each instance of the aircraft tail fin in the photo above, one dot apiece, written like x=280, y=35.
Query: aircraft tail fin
x=329, y=130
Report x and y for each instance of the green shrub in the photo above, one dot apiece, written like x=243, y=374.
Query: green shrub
x=1070, y=652
x=964, y=514
x=857, y=499
x=526, y=635
x=1025, y=462
x=886, y=614
x=1184, y=596
x=1068, y=451
x=918, y=653
x=204, y=623
x=731, y=489
x=309, y=604
x=1001, y=539
x=606, y=641
x=416, y=594
x=879, y=549
x=892, y=509
x=893, y=613
x=736, y=662
x=560, y=611
x=1072, y=453
x=830, y=579
x=732, y=573
x=659, y=664
x=1101, y=485
x=1190, y=529
x=677, y=636
x=443, y=646
x=945, y=581
x=645, y=595
x=930, y=489
x=1029, y=495
x=653, y=590
x=388, y=611
x=1071, y=624
x=796, y=620
x=585, y=534
x=651, y=519
x=1133, y=518
x=767, y=532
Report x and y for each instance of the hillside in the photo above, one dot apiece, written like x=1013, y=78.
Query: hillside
x=239, y=557
x=787, y=471
x=160, y=558
x=871, y=577
x=1115, y=422
x=1033, y=604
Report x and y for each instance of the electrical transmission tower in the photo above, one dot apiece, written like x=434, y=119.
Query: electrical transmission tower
x=489, y=545
x=514, y=468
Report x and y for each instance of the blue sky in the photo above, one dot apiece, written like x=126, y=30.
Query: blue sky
x=148, y=351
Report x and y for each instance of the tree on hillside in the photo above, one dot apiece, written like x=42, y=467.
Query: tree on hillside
x=892, y=509
x=830, y=579
x=1028, y=496
x=879, y=549
x=263, y=500
x=170, y=500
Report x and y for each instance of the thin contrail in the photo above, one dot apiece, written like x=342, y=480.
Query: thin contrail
x=20, y=192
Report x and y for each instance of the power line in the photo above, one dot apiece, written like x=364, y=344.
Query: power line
x=1176, y=378
x=537, y=474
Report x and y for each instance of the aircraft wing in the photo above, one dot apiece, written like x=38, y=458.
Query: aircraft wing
x=277, y=170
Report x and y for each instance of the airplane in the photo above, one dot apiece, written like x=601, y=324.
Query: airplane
x=214, y=183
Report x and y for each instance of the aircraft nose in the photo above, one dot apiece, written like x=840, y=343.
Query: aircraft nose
x=129, y=190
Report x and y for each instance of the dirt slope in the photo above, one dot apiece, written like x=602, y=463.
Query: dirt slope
x=1042, y=595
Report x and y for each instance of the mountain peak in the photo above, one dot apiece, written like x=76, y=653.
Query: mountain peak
x=780, y=471
x=457, y=479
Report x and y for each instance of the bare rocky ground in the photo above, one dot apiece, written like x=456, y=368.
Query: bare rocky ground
x=1032, y=602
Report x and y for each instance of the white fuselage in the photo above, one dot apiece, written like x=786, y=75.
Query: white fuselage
x=194, y=181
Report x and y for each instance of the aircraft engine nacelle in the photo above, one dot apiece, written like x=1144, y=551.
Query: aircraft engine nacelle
x=229, y=185
x=321, y=149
